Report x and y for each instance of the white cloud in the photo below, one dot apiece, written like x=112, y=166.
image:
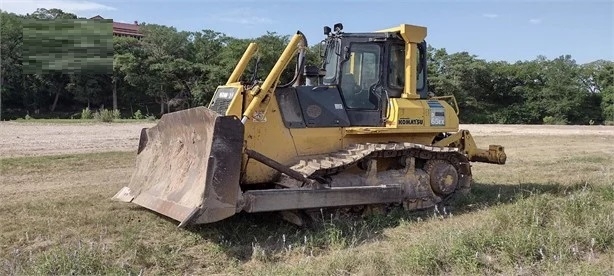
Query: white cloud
x=490, y=15
x=535, y=21
x=71, y=6
x=243, y=16
x=249, y=20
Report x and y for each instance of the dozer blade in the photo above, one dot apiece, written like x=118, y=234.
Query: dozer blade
x=188, y=167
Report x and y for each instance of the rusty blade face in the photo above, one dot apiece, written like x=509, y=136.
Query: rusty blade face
x=188, y=167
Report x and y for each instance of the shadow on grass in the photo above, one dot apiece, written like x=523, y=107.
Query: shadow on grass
x=265, y=235
x=486, y=195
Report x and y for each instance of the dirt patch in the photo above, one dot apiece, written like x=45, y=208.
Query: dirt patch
x=538, y=130
x=35, y=139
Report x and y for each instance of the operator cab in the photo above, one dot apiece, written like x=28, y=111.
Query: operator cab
x=360, y=72
x=368, y=68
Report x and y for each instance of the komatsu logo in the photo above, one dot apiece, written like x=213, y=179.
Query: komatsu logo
x=409, y=121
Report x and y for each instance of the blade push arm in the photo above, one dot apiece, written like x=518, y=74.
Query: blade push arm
x=495, y=154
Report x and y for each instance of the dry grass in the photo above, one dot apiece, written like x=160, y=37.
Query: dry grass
x=548, y=211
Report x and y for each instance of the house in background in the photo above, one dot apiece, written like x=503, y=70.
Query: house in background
x=124, y=29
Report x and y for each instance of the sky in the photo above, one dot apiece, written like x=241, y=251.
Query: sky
x=492, y=30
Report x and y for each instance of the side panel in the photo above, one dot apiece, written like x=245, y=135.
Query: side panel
x=290, y=108
x=422, y=116
x=313, y=141
x=322, y=133
x=365, y=117
x=269, y=136
x=312, y=106
x=284, y=136
x=407, y=114
x=321, y=106
x=416, y=121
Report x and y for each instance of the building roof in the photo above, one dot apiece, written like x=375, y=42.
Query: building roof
x=123, y=28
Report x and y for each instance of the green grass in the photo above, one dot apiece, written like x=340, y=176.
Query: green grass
x=539, y=214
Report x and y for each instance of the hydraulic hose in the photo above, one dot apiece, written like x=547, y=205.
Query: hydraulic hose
x=300, y=62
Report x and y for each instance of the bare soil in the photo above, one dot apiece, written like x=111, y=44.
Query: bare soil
x=36, y=139
x=538, y=130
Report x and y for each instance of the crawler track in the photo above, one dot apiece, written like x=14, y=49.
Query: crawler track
x=331, y=164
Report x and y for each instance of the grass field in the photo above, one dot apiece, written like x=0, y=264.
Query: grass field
x=548, y=211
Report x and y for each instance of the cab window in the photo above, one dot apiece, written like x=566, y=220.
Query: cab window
x=396, y=70
x=359, y=73
x=331, y=60
x=396, y=77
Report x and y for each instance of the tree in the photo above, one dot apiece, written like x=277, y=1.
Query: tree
x=50, y=14
x=177, y=69
x=604, y=79
x=10, y=58
x=122, y=46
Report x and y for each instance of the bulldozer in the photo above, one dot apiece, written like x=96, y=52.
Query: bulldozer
x=360, y=131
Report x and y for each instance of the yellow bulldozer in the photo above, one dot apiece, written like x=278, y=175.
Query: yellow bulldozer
x=361, y=130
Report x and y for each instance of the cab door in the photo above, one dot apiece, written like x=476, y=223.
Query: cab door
x=360, y=86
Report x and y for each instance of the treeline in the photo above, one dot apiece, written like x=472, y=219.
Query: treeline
x=169, y=70
x=557, y=91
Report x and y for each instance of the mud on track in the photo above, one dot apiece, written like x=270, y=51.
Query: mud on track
x=35, y=139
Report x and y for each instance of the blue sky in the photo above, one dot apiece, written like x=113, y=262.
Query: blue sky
x=493, y=30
